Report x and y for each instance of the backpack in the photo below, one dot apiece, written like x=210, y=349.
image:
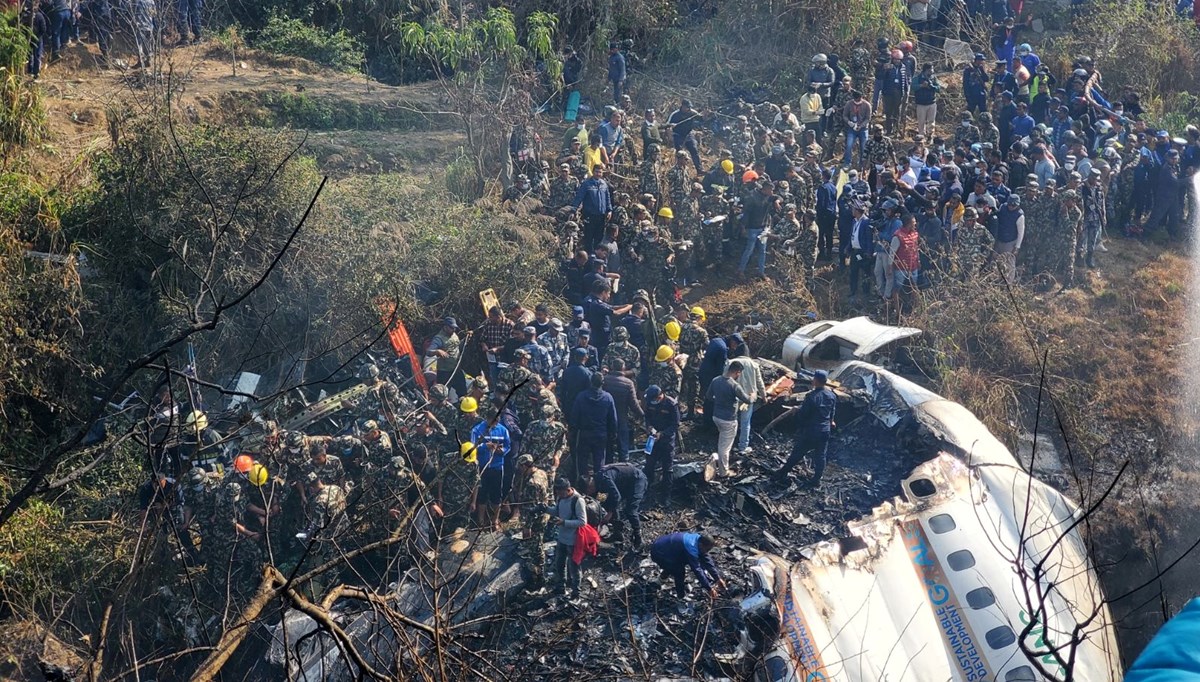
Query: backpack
x=595, y=512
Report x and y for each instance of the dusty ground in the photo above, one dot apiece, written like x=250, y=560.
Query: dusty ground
x=409, y=131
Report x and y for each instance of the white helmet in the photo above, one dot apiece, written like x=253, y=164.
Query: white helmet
x=820, y=58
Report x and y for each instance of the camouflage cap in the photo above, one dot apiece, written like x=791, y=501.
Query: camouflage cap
x=398, y=463
x=521, y=353
x=525, y=459
x=439, y=392
x=620, y=333
x=312, y=477
x=295, y=440
x=549, y=410
x=196, y=476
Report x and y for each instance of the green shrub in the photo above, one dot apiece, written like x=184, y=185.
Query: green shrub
x=337, y=50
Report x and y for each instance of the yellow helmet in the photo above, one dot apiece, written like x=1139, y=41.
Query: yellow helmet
x=672, y=328
x=664, y=353
x=467, y=450
x=468, y=405
x=197, y=420
x=697, y=311
x=666, y=212
x=259, y=474
x=727, y=165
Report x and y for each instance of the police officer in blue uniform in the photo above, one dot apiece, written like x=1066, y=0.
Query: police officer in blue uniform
x=815, y=417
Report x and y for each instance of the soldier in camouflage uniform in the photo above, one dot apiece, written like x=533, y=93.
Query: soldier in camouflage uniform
x=516, y=373
x=395, y=492
x=326, y=524
x=378, y=446
x=741, y=148
x=546, y=440
x=1039, y=215
x=443, y=411
x=527, y=401
x=859, y=67
x=966, y=133
x=531, y=490
x=648, y=177
x=806, y=196
x=837, y=122
x=988, y=132
x=656, y=257
x=327, y=467
x=562, y=188
x=688, y=217
x=679, y=179
x=383, y=399
x=879, y=149
x=458, y=480
x=693, y=339
x=203, y=502
x=620, y=349
x=1065, y=232
x=973, y=245
x=665, y=372
x=803, y=239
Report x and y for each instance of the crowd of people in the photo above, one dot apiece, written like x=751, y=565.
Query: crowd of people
x=55, y=25
x=1039, y=169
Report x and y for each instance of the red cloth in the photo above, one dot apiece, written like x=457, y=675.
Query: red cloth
x=587, y=541
x=907, y=258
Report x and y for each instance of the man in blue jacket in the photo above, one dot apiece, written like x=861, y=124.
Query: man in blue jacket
x=575, y=379
x=616, y=70
x=815, y=417
x=675, y=552
x=975, y=83
x=594, y=196
x=716, y=355
x=492, y=443
x=827, y=215
x=624, y=487
x=593, y=423
x=662, y=419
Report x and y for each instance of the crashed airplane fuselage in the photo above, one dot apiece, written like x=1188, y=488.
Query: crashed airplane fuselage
x=977, y=571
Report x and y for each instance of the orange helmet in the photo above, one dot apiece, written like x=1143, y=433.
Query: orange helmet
x=907, y=46
x=243, y=463
x=749, y=176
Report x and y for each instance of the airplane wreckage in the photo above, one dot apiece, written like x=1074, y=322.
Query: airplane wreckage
x=929, y=553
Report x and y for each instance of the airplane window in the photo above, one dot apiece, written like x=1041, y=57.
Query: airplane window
x=1022, y=674
x=922, y=487
x=961, y=560
x=942, y=523
x=980, y=598
x=777, y=669
x=1000, y=637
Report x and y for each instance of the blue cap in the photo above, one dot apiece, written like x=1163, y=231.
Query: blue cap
x=979, y=56
x=653, y=391
x=577, y=311
x=738, y=338
x=1162, y=133
x=579, y=352
x=450, y=322
x=1173, y=154
x=821, y=376
x=1007, y=94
